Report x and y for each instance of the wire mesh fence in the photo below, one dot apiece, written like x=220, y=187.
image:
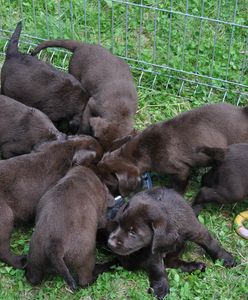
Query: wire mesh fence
x=189, y=48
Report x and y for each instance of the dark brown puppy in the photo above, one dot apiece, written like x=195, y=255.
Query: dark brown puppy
x=35, y=83
x=24, y=179
x=169, y=147
x=227, y=181
x=109, y=114
x=23, y=127
x=67, y=219
x=156, y=223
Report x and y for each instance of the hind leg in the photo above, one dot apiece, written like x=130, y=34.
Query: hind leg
x=6, y=227
x=203, y=238
x=85, y=270
x=206, y=195
x=55, y=253
x=173, y=261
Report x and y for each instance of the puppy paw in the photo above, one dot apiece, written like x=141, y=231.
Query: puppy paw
x=193, y=266
x=159, y=289
x=201, y=266
x=72, y=285
x=229, y=261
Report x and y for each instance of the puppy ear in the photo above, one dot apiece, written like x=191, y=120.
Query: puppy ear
x=128, y=180
x=83, y=157
x=117, y=143
x=164, y=236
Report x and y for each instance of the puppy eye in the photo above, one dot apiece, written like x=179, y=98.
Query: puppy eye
x=131, y=232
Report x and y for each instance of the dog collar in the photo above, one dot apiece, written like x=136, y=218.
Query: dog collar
x=147, y=181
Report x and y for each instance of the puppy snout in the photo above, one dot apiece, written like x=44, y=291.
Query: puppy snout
x=114, y=243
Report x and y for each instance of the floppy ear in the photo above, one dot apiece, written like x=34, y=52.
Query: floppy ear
x=83, y=157
x=128, y=179
x=164, y=236
x=117, y=143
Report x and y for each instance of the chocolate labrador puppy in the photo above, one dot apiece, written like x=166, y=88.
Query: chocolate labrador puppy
x=155, y=224
x=24, y=179
x=67, y=219
x=227, y=181
x=23, y=127
x=109, y=114
x=169, y=147
x=35, y=83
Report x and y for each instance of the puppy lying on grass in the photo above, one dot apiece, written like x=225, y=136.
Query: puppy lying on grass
x=169, y=147
x=109, y=114
x=24, y=179
x=227, y=181
x=23, y=127
x=35, y=83
x=67, y=219
x=155, y=224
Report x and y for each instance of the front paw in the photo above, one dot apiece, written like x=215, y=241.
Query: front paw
x=160, y=289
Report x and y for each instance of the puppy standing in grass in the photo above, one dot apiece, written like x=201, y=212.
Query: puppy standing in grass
x=227, y=181
x=23, y=127
x=26, y=178
x=169, y=147
x=67, y=219
x=155, y=224
x=109, y=114
x=35, y=83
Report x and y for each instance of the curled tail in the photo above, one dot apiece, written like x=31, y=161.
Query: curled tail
x=215, y=154
x=13, y=42
x=67, y=44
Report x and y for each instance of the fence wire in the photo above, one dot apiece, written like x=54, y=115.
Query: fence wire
x=189, y=48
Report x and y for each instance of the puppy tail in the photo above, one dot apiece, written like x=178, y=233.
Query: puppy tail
x=12, y=48
x=67, y=44
x=215, y=154
x=54, y=252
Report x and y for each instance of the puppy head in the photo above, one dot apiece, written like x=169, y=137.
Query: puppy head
x=119, y=173
x=131, y=234
x=110, y=135
x=140, y=224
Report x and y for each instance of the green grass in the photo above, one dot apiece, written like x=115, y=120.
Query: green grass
x=155, y=104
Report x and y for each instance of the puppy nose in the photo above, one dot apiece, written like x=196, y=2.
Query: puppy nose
x=113, y=243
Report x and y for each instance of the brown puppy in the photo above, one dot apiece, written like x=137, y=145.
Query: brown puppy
x=169, y=147
x=67, y=219
x=35, y=83
x=109, y=114
x=23, y=127
x=156, y=223
x=24, y=179
x=227, y=181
